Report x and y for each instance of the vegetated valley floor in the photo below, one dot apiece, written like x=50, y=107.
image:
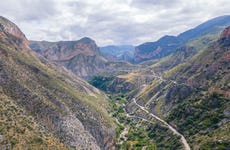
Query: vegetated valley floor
x=143, y=129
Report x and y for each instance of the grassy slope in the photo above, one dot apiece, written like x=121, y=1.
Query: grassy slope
x=18, y=130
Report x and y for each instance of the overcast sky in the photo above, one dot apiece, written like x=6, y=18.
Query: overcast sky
x=109, y=21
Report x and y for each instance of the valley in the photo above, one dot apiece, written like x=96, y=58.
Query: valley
x=164, y=90
x=183, y=140
x=173, y=93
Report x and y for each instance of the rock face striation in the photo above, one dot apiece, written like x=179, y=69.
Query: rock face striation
x=82, y=57
x=66, y=107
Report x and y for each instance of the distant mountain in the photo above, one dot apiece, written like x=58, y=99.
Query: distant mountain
x=118, y=52
x=210, y=26
x=44, y=106
x=168, y=44
x=155, y=50
x=82, y=57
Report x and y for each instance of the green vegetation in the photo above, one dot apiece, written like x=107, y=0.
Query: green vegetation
x=137, y=138
x=18, y=129
x=163, y=142
x=141, y=134
x=198, y=117
x=101, y=82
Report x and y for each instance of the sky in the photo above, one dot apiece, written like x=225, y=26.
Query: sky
x=109, y=22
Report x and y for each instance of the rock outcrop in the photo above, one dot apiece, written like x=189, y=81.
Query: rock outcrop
x=82, y=57
x=11, y=28
x=225, y=36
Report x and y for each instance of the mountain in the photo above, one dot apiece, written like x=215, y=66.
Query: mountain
x=193, y=93
x=189, y=90
x=210, y=26
x=82, y=57
x=44, y=106
x=155, y=50
x=118, y=52
x=168, y=44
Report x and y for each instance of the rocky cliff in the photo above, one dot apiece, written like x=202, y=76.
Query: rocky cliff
x=82, y=57
x=68, y=113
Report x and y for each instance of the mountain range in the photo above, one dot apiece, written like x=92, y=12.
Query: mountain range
x=173, y=95
x=189, y=89
x=168, y=44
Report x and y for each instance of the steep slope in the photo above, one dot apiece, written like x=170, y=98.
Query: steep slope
x=168, y=44
x=118, y=52
x=180, y=55
x=193, y=95
x=155, y=50
x=82, y=57
x=18, y=129
x=65, y=106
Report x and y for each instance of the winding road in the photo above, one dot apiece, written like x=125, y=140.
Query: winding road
x=183, y=140
x=125, y=131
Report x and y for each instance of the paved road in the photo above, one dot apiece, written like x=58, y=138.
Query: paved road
x=183, y=140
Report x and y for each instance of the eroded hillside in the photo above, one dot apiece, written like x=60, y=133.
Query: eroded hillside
x=63, y=105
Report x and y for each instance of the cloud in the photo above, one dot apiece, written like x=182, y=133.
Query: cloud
x=154, y=3
x=110, y=21
x=24, y=10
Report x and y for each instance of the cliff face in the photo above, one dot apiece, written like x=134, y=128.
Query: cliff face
x=82, y=57
x=65, y=106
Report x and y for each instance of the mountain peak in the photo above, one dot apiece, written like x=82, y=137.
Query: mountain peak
x=82, y=57
x=8, y=27
x=86, y=39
